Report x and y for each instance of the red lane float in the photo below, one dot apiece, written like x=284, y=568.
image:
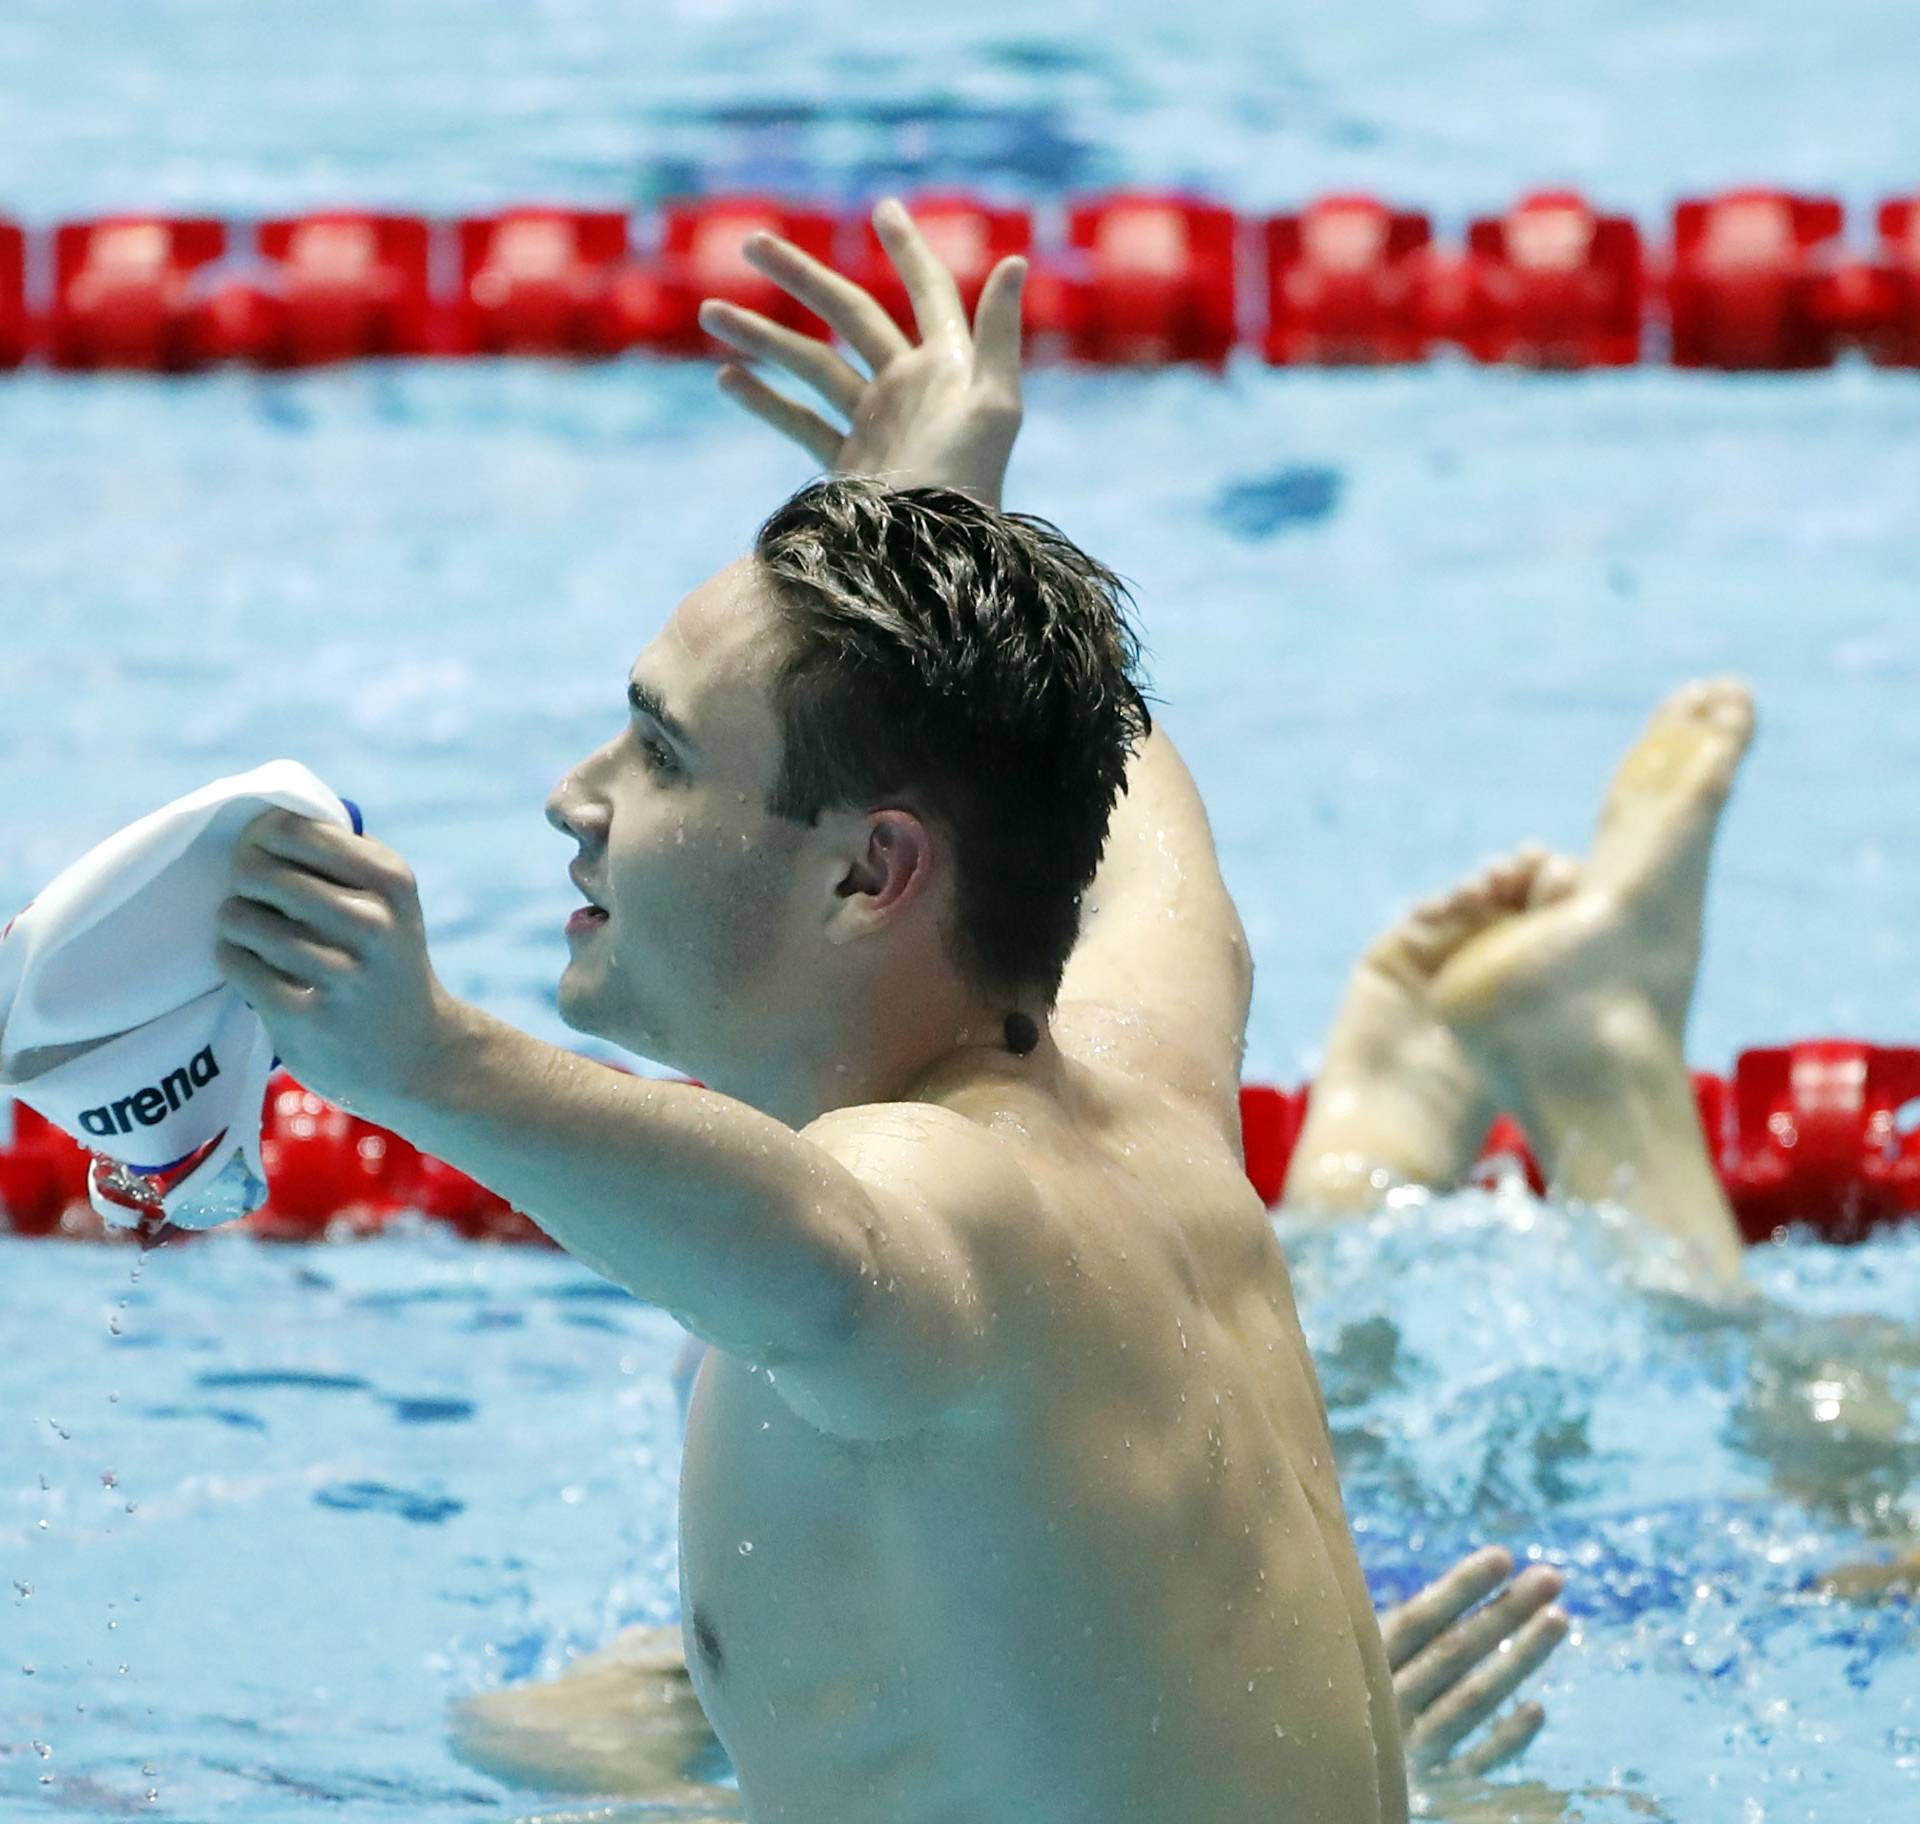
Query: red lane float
x=1553, y=284
x=327, y=1167
x=338, y=286
x=1149, y=279
x=1893, y=338
x=1753, y=279
x=1346, y=284
x=539, y=282
x=13, y=295
x=124, y=292
x=702, y=255
x=1817, y=1138
x=43, y=1174
x=1818, y=1134
x=1270, y=1123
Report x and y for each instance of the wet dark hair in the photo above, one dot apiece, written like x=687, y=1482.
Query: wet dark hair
x=978, y=665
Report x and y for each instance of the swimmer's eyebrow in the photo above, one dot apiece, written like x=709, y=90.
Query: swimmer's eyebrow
x=644, y=700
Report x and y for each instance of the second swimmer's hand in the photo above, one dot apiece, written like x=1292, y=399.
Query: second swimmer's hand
x=1458, y=1656
x=942, y=411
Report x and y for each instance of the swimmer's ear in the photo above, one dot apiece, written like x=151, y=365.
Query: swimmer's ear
x=891, y=869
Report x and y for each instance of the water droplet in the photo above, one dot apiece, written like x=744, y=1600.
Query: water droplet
x=62, y=1432
x=746, y=1548
x=29, y=1670
x=44, y=1750
x=113, y=1325
x=108, y=1479
x=22, y=1589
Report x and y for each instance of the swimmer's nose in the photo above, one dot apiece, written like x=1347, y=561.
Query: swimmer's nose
x=570, y=811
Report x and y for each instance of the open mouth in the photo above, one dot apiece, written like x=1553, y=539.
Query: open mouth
x=587, y=917
x=590, y=914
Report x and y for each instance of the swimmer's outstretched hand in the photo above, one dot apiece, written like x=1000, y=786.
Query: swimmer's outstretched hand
x=939, y=412
x=324, y=939
x=1457, y=1657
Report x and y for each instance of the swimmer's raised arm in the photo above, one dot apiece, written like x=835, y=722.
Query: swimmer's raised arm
x=1161, y=977
x=942, y=411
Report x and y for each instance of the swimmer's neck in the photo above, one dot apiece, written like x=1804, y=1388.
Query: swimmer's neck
x=922, y=1058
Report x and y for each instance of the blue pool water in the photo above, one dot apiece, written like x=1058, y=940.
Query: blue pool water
x=1398, y=621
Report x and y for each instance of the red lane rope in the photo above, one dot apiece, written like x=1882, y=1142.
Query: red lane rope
x=1815, y=1133
x=1749, y=279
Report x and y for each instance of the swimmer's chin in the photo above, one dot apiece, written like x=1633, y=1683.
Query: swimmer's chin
x=578, y=1013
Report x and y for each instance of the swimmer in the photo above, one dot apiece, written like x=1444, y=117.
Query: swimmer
x=1008, y=1490
x=1555, y=988
x=1560, y=989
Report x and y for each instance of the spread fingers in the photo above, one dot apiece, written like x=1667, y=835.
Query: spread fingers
x=852, y=314
x=1442, y=1728
x=787, y=416
x=805, y=357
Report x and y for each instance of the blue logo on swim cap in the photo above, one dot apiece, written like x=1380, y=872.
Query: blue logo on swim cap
x=353, y=811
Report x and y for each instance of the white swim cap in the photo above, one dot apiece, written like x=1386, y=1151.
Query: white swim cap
x=117, y=1026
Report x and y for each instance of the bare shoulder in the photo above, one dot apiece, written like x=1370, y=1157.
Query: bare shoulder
x=933, y=1160
x=970, y=1186
x=955, y=1225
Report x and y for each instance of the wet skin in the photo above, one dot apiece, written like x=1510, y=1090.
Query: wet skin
x=1119, y=1585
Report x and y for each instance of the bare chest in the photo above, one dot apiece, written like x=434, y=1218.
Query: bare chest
x=919, y=1628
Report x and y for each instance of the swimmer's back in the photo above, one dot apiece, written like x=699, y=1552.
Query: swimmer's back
x=1120, y=1588
x=1180, y=1411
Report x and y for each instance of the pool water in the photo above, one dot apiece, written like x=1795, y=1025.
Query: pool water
x=266, y=1510
x=1398, y=621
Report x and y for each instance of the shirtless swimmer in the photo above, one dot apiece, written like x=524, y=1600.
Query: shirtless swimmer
x=1008, y=1491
